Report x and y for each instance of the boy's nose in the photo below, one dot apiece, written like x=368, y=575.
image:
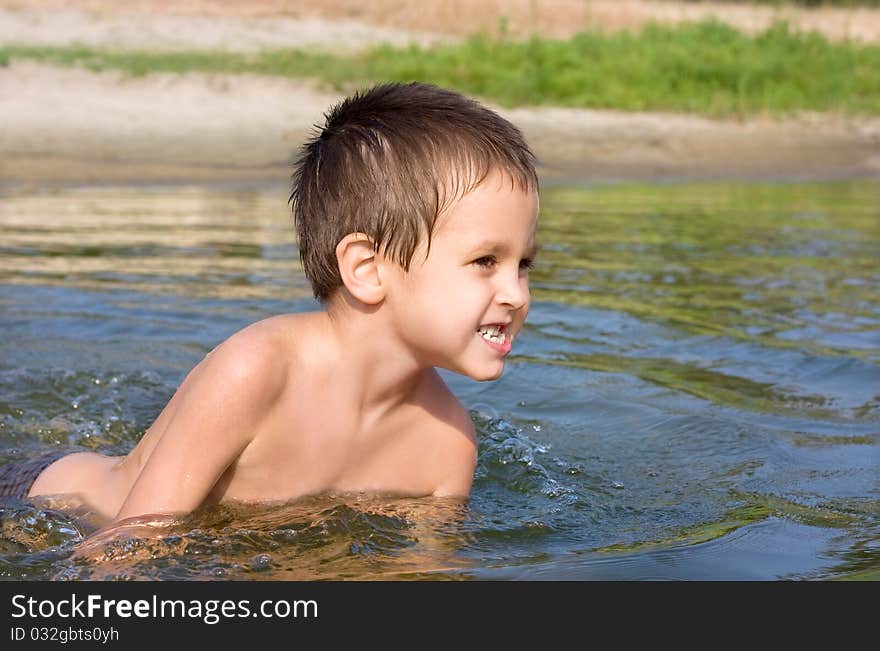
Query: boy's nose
x=514, y=293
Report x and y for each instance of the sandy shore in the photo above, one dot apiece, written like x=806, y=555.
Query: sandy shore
x=73, y=125
x=520, y=18
x=66, y=26
x=68, y=125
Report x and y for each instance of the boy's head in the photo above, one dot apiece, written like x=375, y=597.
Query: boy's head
x=387, y=163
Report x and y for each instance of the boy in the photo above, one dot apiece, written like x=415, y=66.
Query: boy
x=416, y=211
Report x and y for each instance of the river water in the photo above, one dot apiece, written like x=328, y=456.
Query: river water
x=696, y=394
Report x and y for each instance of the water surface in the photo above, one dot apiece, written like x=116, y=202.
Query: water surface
x=696, y=394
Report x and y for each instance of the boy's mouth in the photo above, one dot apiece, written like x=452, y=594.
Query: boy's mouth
x=496, y=333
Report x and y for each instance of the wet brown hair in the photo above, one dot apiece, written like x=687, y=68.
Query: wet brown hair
x=388, y=162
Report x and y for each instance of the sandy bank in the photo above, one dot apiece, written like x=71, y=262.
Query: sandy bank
x=44, y=26
x=73, y=125
x=521, y=18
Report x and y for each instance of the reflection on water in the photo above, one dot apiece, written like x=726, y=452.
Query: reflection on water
x=696, y=394
x=196, y=243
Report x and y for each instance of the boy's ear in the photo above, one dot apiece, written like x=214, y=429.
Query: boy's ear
x=359, y=268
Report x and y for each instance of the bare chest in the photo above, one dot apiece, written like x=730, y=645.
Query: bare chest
x=327, y=449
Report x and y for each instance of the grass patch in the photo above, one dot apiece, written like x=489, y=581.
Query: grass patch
x=707, y=68
x=286, y=63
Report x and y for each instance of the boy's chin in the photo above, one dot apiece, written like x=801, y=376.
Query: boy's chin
x=484, y=374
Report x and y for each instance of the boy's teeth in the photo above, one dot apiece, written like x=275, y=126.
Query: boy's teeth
x=493, y=334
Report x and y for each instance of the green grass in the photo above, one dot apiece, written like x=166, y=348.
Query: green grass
x=706, y=68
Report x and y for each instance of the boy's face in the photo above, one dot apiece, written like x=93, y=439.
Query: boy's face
x=462, y=307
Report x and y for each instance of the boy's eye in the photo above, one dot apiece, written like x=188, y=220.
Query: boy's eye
x=490, y=260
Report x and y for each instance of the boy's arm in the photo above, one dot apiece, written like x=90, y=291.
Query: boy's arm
x=220, y=409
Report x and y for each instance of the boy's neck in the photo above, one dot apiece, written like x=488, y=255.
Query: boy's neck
x=379, y=372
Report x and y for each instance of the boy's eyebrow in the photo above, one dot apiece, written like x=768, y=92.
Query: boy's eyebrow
x=492, y=246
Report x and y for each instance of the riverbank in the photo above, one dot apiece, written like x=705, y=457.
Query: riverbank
x=70, y=125
x=75, y=125
x=237, y=24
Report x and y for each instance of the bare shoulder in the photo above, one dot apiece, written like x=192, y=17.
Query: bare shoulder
x=221, y=407
x=273, y=342
x=255, y=362
x=244, y=375
x=442, y=404
x=267, y=337
x=451, y=424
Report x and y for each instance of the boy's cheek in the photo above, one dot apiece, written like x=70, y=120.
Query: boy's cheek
x=524, y=311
